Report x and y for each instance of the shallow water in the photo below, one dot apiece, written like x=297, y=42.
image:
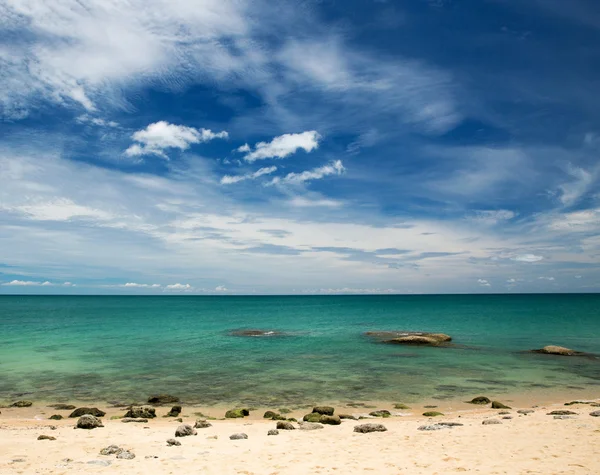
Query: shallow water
x=125, y=348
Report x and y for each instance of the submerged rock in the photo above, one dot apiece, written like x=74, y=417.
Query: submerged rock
x=325, y=410
x=185, y=430
x=88, y=421
x=366, y=428
x=92, y=411
x=22, y=404
x=237, y=413
x=239, y=436
x=62, y=407
x=399, y=405
x=480, y=400
x=499, y=405
x=143, y=412
x=424, y=339
x=556, y=350
x=254, y=332
x=330, y=420
x=162, y=399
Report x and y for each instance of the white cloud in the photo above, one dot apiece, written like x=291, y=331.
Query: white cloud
x=60, y=209
x=29, y=283
x=334, y=168
x=491, y=217
x=87, y=119
x=304, y=202
x=161, y=135
x=140, y=286
x=220, y=288
x=582, y=180
x=583, y=221
x=350, y=290
x=243, y=149
x=483, y=283
x=284, y=145
x=546, y=278
x=229, y=179
x=527, y=258
x=178, y=287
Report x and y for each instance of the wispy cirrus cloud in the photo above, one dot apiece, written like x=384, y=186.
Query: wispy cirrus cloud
x=231, y=179
x=334, y=168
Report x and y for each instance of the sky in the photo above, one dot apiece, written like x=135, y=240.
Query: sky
x=182, y=147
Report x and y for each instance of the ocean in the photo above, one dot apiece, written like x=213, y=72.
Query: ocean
x=123, y=349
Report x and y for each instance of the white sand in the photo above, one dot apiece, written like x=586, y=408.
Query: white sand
x=532, y=444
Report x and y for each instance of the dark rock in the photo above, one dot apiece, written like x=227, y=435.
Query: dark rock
x=184, y=430
x=134, y=419
x=450, y=424
x=255, y=333
x=126, y=455
x=312, y=417
x=429, y=407
x=56, y=417
x=22, y=404
x=292, y=419
x=162, y=399
x=284, y=425
x=239, y=436
x=525, y=411
x=595, y=414
x=174, y=412
x=237, y=413
x=480, y=400
x=432, y=414
x=325, y=410
x=499, y=405
x=88, y=421
x=577, y=402
x=279, y=417
x=488, y=422
x=141, y=412
x=202, y=424
x=92, y=411
x=173, y=442
x=330, y=420
x=111, y=450
x=62, y=407
x=309, y=426
x=366, y=428
x=507, y=417
x=503, y=413
x=46, y=437
x=380, y=413
x=273, y=432
x=561, y=413
x=269, y=415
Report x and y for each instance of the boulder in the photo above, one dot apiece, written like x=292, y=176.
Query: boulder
x=480, y=400
x=239, y=436
x=141, y=412
x=174, y=412
x=46, y=437
x=488, y=422
x=499, y=405
x=162, y=399
x=237, y=413
x=62, y=407
x=330, y=420
x=556, y=350
x=273, y=432
x=185, y=430
x=432, y=414
x=202, y=424
x=421, y=339
x=134, y=419
x=380, y=413
x=312, y=417
x=92, y=411
x=88, y=421
x=111, y=450
x=561, y=413
x=284, y=425
x=366, y=428
x=56, y=417
x=173, y=442
x=309, y=426
x=325, y=410
x=126, y=455
x=22, y=404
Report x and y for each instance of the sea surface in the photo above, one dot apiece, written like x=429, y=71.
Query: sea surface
x=114, y=348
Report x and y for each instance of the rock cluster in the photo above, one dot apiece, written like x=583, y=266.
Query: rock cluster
x=141, y=412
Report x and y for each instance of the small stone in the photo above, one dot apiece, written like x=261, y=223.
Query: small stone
x=561, y=413
x=507, y=417
x=126, y=455
x=173, y=442
x=134, y=419
x=52, y=427
x=309, y=426
x=55, y=417
x=184, y=430
x=525, y=411
x=595, y=414
x=22, y=404
x=480, y=400
x=450, y=424
x=330, y=420
x=284, y=425
x=429, y=407
x=488, y=422
x=111, y=450
x=46, y=437
x=324, y=410
x=202, y=424
x=273, y=432
x=101, y=463
x=432, y=414
x=88, y=421
x=239, y=436
x=366, y=428
x=499, y=405
x=62, y=407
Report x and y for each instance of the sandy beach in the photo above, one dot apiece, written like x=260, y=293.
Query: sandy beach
x=520, y=443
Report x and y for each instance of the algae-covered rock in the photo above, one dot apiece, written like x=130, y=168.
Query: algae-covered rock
x=480, y=400
x=92, y=411
x=330, y=420
x=380, y=413
x=237, y=413
x=366, y=428
x=312, y=417
x=399, y=405
x=269, y=415
x=432, y=414
x=423, y=339
x=56, y=417
x=325, y=410
x=139, y=420
x=141, y=412
x=499, y=405
x=561, y=413
x=22, y=404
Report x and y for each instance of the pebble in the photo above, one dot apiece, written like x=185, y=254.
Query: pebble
x=433, y=427
x=46, y=437
x=563, y=417
x=488, y=422
x=172, y=442
x=126, y=455
x=273, y=432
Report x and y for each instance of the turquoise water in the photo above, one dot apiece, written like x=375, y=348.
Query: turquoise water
x=126, y=348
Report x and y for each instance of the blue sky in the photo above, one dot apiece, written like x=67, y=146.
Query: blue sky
x=241, y=147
